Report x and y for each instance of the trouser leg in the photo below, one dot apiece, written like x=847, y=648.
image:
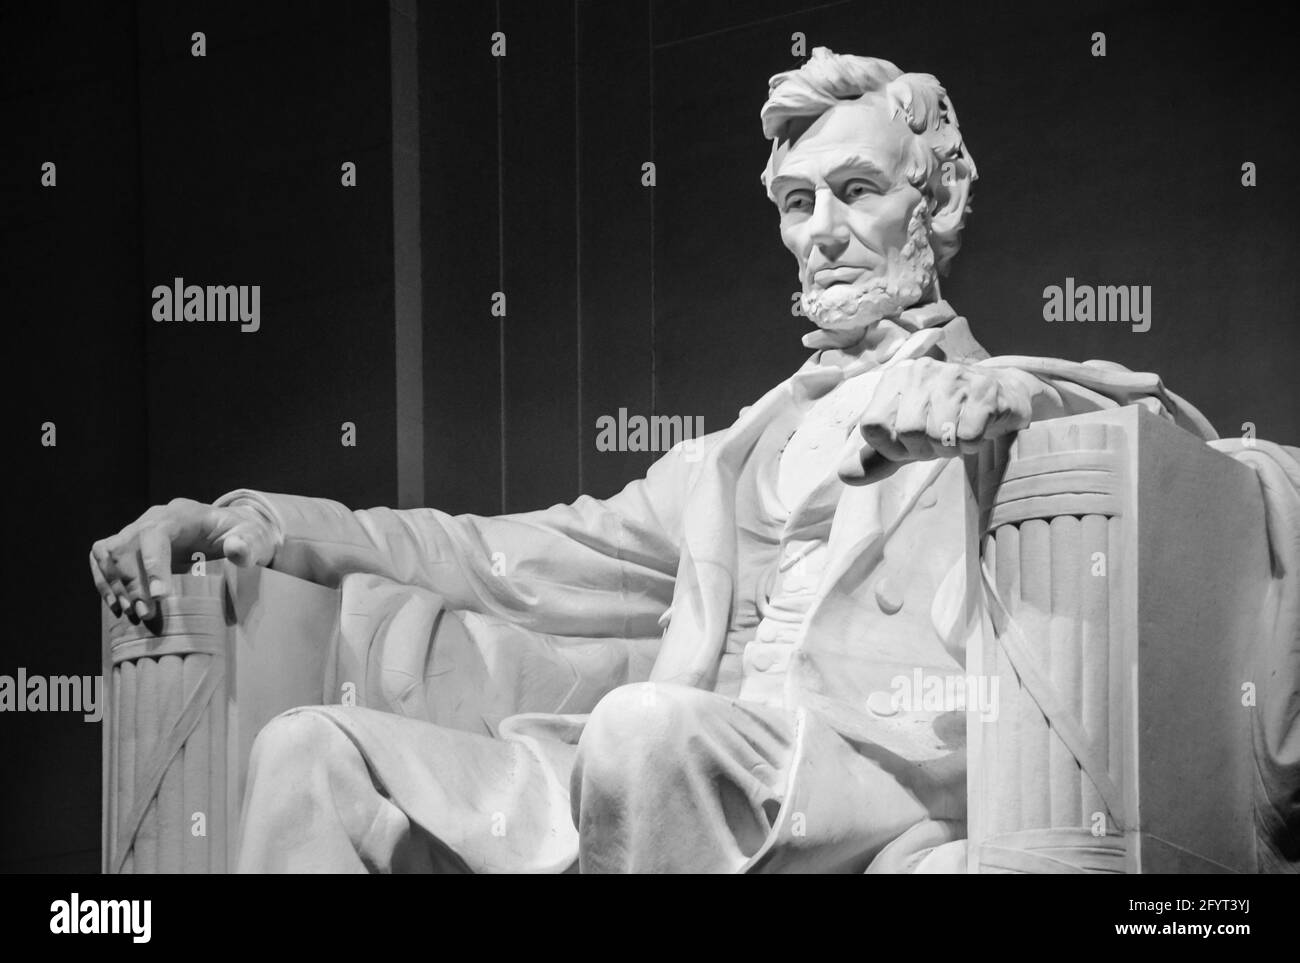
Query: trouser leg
x=311, y=806
x=676, y=779
x=333, y=789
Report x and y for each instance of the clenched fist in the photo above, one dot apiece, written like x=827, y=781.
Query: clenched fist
x=134, y=567
x=924, y=409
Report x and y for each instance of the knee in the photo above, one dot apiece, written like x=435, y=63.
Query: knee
x=640, y=724
x=308, y=789
x=294, y=740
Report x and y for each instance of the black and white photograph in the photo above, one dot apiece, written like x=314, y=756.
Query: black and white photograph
x=653, y=437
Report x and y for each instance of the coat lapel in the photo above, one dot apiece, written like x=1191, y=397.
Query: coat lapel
x=706, y=573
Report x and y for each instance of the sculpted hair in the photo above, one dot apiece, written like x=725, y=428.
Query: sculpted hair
x=798, y=97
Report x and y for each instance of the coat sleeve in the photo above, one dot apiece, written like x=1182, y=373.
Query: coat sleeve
x=595, y=568
x=1075, y=387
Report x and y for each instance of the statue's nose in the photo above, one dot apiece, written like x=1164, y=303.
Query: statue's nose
x=827, y=227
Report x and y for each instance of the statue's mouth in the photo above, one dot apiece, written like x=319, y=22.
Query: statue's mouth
x=841, y=274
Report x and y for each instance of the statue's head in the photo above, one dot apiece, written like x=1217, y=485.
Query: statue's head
x=872, y=182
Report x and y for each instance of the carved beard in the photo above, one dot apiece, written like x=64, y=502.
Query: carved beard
x=909, y=274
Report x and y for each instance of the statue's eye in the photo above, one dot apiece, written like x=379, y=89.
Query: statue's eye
x=859, y=188
x=798, y=202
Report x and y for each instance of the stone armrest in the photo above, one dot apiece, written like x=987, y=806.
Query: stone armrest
x=1124, y=565
x=187, y=693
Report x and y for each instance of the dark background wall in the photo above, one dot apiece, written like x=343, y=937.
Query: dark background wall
x=1123, y=169
x=221, y=170
x=671, y=300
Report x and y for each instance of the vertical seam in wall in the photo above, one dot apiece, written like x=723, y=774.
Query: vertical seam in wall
x=140, y=241
x=654, y=373
x=408, y=290
x=501, y=265
x=107, y=824
x=577, y=230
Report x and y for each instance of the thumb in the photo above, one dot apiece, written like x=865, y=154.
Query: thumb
x=862, y=465
x=247, y=544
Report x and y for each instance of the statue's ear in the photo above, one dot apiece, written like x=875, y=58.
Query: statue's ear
x=951, y=193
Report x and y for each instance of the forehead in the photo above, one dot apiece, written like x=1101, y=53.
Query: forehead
x=859, y=130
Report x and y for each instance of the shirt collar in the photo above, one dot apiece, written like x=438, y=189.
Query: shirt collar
x=830, y=365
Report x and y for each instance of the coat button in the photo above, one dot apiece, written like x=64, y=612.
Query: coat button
x=881, y=704
x=888, y=598
x=762, y=659
x=928, y=498
x=766, y=632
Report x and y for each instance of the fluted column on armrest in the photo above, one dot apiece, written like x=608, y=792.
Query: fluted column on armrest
x=1125, y=566
x=187, y=693
x=1048, y=535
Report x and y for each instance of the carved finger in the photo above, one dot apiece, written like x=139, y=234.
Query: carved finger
x=156, y=561
x=878, y=423
x=131, y=569
x=917, y=445
x=913, y=411
x=973, y=421
x=945, y=415
x=875, y=467
x=248, y=543
x=1013, y=411
x=108, y=552
x=102, y=587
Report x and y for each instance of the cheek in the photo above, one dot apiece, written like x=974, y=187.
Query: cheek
x=884, y=224
x=793, y=237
